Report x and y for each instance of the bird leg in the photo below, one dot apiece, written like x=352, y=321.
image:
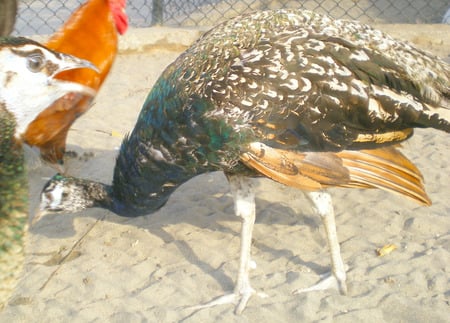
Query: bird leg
x=244, y=204
x=337, y=278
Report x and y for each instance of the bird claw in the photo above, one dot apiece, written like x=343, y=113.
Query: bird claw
x=240, y=300
x=328, y=282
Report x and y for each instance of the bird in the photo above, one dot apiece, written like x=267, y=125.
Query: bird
x=90, y=33
x=28, y=85
x=294, y=96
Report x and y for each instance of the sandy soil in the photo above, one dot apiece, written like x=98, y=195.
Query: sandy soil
x=96, y=266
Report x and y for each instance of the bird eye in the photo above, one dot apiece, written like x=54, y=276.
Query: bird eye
x=35, y=62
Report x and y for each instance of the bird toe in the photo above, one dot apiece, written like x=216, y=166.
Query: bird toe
x=239, y=299
x=328, y=282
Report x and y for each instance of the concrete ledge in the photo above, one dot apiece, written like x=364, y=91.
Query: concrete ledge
x=434, y=38
x=142, y=39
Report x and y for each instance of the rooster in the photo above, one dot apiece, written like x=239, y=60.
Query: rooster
x=91, y=34
x=291, y=95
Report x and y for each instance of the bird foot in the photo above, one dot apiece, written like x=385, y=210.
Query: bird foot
x=328, y=282
x=240, y=300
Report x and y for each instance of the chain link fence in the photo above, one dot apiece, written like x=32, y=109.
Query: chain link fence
x=45, y=16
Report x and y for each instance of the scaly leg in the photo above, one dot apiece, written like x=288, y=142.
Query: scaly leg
x=337, y=279
x=244, y=204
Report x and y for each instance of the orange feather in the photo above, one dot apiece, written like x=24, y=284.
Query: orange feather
x=386, y=168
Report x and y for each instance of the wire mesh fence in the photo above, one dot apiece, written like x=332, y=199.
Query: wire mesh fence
x=45, y=16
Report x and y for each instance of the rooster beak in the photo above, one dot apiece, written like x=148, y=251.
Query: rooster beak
x=69, y=62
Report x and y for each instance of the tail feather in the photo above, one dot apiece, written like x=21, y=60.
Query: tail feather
x=377, y=169
x=386, y=168
x=388, y=158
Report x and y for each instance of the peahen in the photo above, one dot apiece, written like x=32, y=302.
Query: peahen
x=291, y=95
x=27, y=86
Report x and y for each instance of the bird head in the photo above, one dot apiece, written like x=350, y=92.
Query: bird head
x=63, y=193
x=27, y=78
x=66, y=194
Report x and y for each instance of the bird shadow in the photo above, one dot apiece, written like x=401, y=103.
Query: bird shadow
x=207, y=211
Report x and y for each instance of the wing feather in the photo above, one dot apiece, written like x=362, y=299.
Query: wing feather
x=386, y=168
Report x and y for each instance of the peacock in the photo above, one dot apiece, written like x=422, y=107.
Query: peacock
x=27, y=86
x=291, y=95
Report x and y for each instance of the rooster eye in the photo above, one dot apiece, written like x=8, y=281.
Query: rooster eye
x=35, y=62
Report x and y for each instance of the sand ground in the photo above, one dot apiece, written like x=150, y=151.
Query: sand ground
x=98, y=267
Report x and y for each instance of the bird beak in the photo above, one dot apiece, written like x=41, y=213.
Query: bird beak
x=37, y=216
x=39, y=213
x=69, y=62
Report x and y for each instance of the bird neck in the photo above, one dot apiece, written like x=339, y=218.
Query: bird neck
x=97, y=195
x=10, y=148
x=141, y=183
x=174, y=139
x=156, y=157
x=13, y=181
